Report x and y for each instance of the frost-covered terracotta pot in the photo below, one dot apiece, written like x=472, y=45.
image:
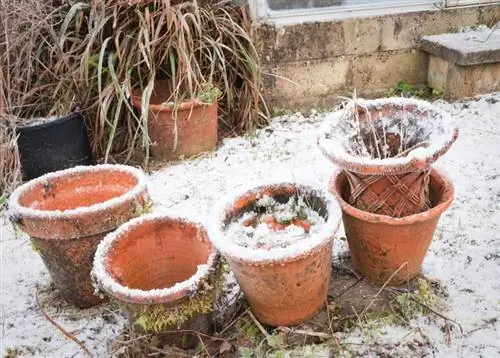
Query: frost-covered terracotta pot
x=382, y=246
x=187, y=130
x=387, y=146
x=283, y=285
x=162, y=269
x=67, y=213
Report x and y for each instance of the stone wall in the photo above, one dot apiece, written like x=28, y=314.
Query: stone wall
x=308, y=65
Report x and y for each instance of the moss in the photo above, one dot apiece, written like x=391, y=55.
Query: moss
x=140, y=210
x=35, y=246
x=158, y=318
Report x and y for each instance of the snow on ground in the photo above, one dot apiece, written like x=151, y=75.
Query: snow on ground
x=464, y=256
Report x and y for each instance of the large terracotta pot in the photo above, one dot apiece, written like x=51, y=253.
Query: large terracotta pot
x=382, y=246
x=386, y=147
x=162, y=271
x=67, y=213
x=284, y=286
x=182, y=131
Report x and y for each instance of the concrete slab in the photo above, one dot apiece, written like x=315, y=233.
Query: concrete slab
x=465, y=48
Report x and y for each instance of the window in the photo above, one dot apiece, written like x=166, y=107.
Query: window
x=294, y=11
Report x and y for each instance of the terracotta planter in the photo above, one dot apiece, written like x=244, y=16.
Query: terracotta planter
x=162, y=271
x=386, y=147
x=381, y=245
x=181, y=132
x=284, y=286
x=67, y=213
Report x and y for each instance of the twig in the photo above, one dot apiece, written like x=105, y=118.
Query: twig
x=61, y=329
x=233, y=322
x=383, y=287
x=437, y=313
x=257, y=323
x=304, y=332
x=418, y=145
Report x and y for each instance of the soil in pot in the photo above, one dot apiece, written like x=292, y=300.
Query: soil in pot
x=163, y=272
x=179, y=131
x=278, y=241
x=386, y=249
x=386, y=147
x=67, y=213
x=53, y=144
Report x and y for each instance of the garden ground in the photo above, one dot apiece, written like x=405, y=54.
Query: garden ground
x=462, y=268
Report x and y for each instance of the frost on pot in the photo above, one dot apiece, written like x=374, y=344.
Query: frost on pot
x=67, y=213
x=386, y=146
x=277, y=238
x=163, y=271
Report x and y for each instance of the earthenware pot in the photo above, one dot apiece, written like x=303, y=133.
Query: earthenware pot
x=386, y=147
x=67, y=213
x=162, y=270
x=385, y=248
x=286, y=285
x=181, y=131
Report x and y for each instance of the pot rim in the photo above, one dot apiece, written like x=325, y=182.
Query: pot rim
x=444, y=203
x=102, y=277
x=52, y=122
x=183, y=106
x=277, y=255
x=16, y=210
x=426, y=156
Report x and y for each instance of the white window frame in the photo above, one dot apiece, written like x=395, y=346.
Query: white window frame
x=261, y=12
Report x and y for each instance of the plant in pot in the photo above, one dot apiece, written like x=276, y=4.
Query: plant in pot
x=180, y=65
x=278, y=240
x=40, y=92
x=68, y=212
x=385, y=149
x=164, y=273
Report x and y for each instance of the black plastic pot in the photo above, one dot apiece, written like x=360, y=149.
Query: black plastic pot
x=55, y=145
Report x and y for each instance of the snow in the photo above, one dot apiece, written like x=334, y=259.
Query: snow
x=340, y=139
x=464, y=255
x=218, y=236
x=18, y=210
x=104, y=280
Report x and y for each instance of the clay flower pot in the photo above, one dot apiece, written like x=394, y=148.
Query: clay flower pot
x=162, y=271
x=67, y=213
x=382, y=246
x=182, y=131
x=387, y=146
x=286, y=285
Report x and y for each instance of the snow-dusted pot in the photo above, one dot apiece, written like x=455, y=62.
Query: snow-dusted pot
x=288, y=283
x=67, y=213
x=385, y=249
x=386, y=147
x=162, y=270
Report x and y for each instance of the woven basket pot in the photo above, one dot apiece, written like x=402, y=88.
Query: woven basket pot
x=179, y=132
x=386, y=148
x=67, y=213
x=284, y=286
x=162, y=271
x=386, y=249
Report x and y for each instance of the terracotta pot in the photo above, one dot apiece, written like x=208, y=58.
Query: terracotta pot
x=67, y=213
x=284, y=286
x=381, y=245
x=178, y=133
x=162, y=270
x=387, y=146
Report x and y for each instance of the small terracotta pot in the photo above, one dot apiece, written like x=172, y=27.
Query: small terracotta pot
x=193, y=124
x=160, y=268
x=381, y=245
x=67, y=213
x=387, y=146
x=284, y=286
